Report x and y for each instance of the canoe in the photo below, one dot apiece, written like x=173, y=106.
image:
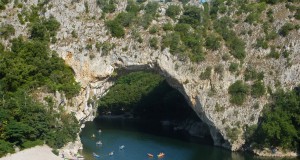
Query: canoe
x=122, y=147
x=96, y=155
x=160, y=155
x=150, y=155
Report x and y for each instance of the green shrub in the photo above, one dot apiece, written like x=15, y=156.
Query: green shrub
x=107, y=6
x=238, y=92
x=29, y=144
x=5, y=147
x=285, y=29
x=191, y=15
x=297, y=14
x=233, y=67
x=273, y=53
x=232, y=133
x=168, y=27
x=279, y=123
x=258, y=89
x=219, y=69
x=74, y=34
x=125, y=19
x=132, y=7
x=6, y=31
x=212, y=42
x=261, y=43
x=206, y=74
x=115, y=28
x=153, y=29
x=153, y=42
x=173, y=11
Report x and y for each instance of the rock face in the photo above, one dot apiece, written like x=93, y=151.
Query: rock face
x=93, y=68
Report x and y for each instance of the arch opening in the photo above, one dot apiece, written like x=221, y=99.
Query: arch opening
x=146, y=96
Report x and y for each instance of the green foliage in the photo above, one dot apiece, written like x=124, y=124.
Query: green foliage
x=252, y=74
x=107, y=6
x=173, y=11
x=3, y=3
x=280, y=122
x=168, y=27
x=297, y=14
x=232, y=133
x=149, y=15
x=115, y=28
x=238, y=92
x=261, y=43
x=191, y=15
x=5, y=147
x=6, y=31
x=153, y=42
x=146, y=95
x=235, y=44
x=273, y=53
x=28, y=123
x=125, y=18
x=74, y=34
x=206, y=74
x=153, y=29
x=233, y=67
x=285, y=29
x=105, y=47
x=86, y=6
x=43, y=29
x=258, y=89
x=128, y=91
x=132, y=7
x=212, y=42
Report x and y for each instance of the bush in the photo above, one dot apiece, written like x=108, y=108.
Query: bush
x=168, y=27
x=261, y=43
x=233, y=67
x=285, y=29
x=279, y=125
x=191, y=15
x=212, y=42
x=153, y=42
x=153, y=29
x=273, y=53
x=107, y=6
x=132, y=7
x=5, y=147
x=238, y=92
x=125, y=19
x=173, y=11
x=7, y=30
x=115, y=28
x=206, y=74
x=258, y=89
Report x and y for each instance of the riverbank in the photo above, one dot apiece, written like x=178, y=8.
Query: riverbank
x=36, y=153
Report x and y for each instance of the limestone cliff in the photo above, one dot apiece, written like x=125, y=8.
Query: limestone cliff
x=93, y=67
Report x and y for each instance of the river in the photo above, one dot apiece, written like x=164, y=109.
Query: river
x=140, y=138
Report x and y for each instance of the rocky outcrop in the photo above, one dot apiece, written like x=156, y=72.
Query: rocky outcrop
x=93, y=68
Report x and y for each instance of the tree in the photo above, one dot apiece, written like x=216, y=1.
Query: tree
x=7, y=30
x=116, y=29
x=258, y=89
x=238, y=92
x=173, y=11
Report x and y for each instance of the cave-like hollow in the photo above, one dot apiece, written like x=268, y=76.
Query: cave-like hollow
x=147, y=97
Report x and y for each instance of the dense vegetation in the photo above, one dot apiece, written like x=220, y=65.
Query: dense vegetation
x=29, y=65
x=280, y=123
x=146, y=95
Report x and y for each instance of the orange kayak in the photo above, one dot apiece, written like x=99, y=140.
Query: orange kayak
x=160, y=155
